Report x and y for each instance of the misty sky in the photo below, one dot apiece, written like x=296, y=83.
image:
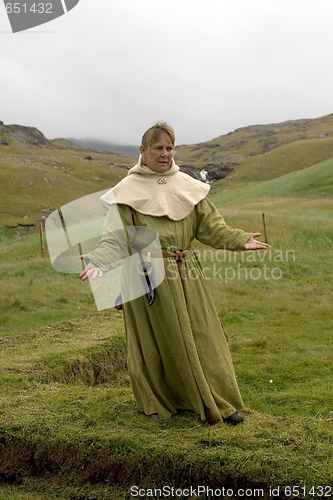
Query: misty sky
x=109, y=69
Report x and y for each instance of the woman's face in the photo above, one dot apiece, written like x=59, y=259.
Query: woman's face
x=159, y=156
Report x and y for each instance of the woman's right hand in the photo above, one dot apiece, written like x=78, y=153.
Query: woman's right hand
x=90, y=268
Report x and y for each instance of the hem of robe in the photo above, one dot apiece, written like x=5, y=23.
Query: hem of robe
x=206, y=418
x=214, y=415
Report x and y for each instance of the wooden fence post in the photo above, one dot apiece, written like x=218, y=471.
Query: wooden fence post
x=41, y=238
x=265, y=227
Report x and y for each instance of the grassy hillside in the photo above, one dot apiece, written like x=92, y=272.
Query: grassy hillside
x=41, y=178
x=285, y=159
x=255, y=140
x=313, y=181
x=262, y=152
x=298, y=207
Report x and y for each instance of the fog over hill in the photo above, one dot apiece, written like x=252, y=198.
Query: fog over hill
x=105, y=146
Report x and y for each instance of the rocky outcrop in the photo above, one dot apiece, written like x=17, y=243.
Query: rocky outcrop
x=210, y=173
x=25, y=136
x=216, y=172
x=190, y=170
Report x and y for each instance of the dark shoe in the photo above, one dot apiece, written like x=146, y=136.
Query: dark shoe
x=155, y=416
x=234, y=419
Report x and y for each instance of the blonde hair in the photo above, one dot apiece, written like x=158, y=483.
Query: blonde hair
x=153, y=134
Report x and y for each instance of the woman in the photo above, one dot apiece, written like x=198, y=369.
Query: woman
x=178, y=357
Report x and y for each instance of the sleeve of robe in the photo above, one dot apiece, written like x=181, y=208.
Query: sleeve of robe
x=212, y=229
x=114, y=245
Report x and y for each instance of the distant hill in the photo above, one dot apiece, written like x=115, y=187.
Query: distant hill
x=24, y=136
x=37, y=174
x=105, y=146
x=262, y=152
x=246, y=155
x=256, y=140
x=249, y=154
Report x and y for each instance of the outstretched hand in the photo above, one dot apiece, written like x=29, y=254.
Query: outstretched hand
x=253, y=244
x=90, y=268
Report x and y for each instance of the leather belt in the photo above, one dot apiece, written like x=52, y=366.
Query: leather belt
x=178, y=255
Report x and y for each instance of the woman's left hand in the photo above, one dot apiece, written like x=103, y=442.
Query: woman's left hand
x=253, y=244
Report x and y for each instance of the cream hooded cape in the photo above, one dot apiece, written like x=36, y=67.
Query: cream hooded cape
x=172, y=194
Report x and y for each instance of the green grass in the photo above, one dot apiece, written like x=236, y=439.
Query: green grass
x=314, y=181
x=34, y=295
x=286, y=159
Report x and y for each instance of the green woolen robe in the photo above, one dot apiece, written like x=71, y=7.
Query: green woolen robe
x=178, y=357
